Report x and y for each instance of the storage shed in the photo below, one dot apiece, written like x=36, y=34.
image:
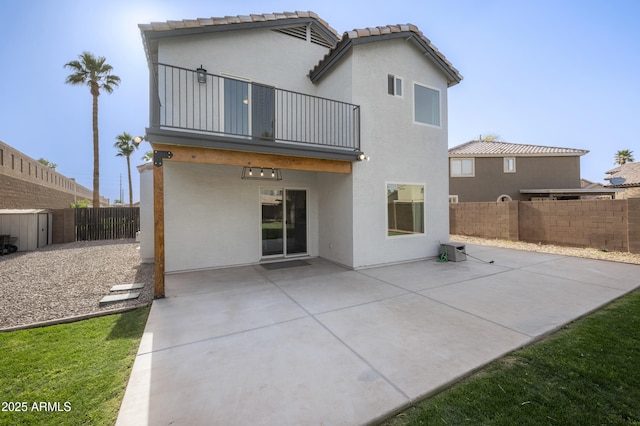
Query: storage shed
x=28, y=229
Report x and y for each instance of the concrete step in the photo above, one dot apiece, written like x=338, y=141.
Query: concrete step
x=113, y=298
x=126, y=287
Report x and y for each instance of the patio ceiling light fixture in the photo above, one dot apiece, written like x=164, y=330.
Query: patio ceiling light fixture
x=265, y=173
x=202, y=74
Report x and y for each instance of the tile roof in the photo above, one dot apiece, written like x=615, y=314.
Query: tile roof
x=491, y=149
x=240, y=19
x=333, y=40
x=587, y=184
x=387, y=31
x=630, y=172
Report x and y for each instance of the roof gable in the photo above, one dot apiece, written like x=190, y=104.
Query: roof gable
x=630, y=172
x=303, y=25
x=290, y=23
x=367, y=35
x=236, y=22
x=499, y=149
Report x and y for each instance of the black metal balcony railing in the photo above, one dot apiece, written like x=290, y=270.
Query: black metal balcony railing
x=252, y=112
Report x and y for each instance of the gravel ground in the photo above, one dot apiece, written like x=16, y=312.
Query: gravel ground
x=566, y=251
x=65, y=280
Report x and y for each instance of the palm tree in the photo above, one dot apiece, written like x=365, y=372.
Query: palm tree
x=125, y=149
x=624, y=156
x=148, y=156
x=95, y=73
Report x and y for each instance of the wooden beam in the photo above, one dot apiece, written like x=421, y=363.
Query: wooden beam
x=158, y=223
x=191, y=154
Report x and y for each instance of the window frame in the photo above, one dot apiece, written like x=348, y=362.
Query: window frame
x=392, y=89
x=473, y=167
x=423, y=233
x=505, y=163
x=428, y=88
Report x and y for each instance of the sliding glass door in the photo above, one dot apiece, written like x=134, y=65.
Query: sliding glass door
x=249, y=109
x=284, y=222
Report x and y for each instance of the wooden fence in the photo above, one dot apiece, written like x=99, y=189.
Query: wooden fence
x=109, y=223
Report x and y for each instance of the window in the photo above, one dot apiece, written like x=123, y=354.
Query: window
x=462, y=167
x=453, y=198
x=394, y=85
x=405, y=209
x=426, y=105
x=509, y=164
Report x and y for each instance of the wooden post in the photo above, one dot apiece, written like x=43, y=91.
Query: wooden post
x=158, y=224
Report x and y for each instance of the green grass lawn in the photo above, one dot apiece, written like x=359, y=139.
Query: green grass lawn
x=588, y=373
x=69, y=374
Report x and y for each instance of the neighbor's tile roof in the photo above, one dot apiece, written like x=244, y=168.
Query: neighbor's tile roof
x=490, y=148
x=375, y=33
x=240, y=19
x=630, y=172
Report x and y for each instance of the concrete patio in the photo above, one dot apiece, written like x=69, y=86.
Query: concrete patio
x=323, y=345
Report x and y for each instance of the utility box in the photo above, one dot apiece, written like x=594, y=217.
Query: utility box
x=455, y=251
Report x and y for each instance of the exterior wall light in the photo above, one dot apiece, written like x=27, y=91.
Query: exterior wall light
x=202, y=74
x=363, y=157
x=137, y=140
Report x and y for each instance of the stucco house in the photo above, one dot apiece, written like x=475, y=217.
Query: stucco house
x=275, y=137
x=625, y=178
x=482, y=170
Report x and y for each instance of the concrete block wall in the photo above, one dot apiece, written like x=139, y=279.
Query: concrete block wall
x=21, y=194
x=633, y=233
x=27, y=184
x=485, y=219
x=598, y=224
x=612, y=225
x=64, y=226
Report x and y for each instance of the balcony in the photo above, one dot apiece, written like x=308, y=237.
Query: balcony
x=228, y=113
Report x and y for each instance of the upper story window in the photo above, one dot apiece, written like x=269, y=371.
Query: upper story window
x=426, y=105
x=394, y=85
x=509, y=164
x=462, y=167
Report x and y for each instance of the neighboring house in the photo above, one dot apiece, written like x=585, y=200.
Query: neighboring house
x=587, y=184
x=263, y=127
x=625, y=178
x=501, y=171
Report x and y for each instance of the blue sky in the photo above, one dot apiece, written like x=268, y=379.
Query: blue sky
x=546, y=72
